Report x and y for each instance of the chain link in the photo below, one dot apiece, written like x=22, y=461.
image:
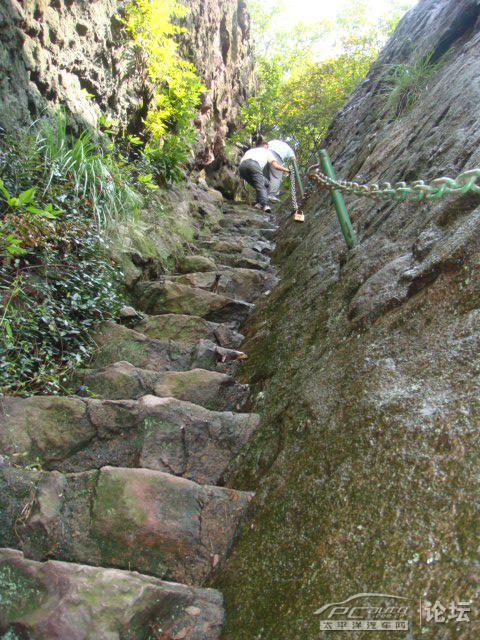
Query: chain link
x=293, y=182
x=401, y=191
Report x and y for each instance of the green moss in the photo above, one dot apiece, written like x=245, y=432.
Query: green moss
x=19, y=593
x=115, y=350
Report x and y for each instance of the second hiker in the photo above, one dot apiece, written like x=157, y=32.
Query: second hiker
x=252, y=167
x=283, y=153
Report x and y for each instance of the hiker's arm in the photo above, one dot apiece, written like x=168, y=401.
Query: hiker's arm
x=280, y=167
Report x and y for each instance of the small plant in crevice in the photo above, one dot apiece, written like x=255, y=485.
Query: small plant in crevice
x=407, y=82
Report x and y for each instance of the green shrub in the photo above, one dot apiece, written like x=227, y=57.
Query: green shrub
x=90, y=172
x=177, y=87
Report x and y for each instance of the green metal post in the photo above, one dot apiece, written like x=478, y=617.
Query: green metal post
x=297, y=173
x=338, y=202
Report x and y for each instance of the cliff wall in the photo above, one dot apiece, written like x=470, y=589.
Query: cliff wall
x=366, y=366
x=60, y=52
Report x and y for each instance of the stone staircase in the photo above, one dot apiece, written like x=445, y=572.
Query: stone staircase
x=112, y=509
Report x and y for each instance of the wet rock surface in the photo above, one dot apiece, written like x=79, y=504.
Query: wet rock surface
x=123, y=475
x=367, y=460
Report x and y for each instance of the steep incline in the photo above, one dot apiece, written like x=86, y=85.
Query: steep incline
x=129, y=476
x=368, y=457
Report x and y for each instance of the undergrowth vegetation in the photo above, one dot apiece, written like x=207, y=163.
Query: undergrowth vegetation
x=71, y=212
x=56, y=279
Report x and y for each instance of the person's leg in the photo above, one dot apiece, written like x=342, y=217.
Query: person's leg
x=258, y=182
x=252, y=173
x=275, y=182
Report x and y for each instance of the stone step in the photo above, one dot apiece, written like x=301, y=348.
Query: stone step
x=72, y=434
x=230, y=224
x=120, y=381
x=196, y=263
x=247, y=259
x=239, y=284
x=246, y=217
x=135, y=519
x=171, y=297
x=64, y=601
x=234, y=244
x=190, y=329
x=116, y=343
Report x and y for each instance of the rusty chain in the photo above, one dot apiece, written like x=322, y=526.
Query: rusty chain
x=401, y=191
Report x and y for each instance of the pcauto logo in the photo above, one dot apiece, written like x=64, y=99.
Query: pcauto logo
x=386, y=612
x=366, y=612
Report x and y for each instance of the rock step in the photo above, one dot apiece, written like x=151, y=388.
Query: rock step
x=235, y=244
x=58, y=601
x=248, y=217
x=135, y=519
x=246, y=259
x=239, y=284
x=209, y=389
x=230, y=225
x=172, y=297
x=78, y=434
x=116, y=343
x=189, y=329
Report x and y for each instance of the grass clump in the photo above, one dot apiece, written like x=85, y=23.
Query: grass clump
x=408, y=82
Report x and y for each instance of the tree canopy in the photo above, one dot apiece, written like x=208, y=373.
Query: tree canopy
x=305, y=72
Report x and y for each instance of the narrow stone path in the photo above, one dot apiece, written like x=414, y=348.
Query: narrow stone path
x=129, y=478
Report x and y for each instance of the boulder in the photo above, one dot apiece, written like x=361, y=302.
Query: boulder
x=59, y=600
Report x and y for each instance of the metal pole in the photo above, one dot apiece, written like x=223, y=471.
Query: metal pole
x=297, y=173
x=338, y=202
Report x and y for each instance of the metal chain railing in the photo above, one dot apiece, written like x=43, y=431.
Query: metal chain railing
x=401, y=191
x=323, y=174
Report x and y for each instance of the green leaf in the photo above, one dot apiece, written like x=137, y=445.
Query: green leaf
x=3, y=190
x=145, y=177
x=26, y=197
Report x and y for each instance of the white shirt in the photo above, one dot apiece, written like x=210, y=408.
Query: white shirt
x=282, y=149
x=259, y=154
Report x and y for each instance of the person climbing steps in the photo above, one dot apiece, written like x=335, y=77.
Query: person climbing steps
x=252, y=167
x=283, y=153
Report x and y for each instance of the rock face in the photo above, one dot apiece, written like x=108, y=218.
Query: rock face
x=75, y=54
x=221, y=28
x=368, y=453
